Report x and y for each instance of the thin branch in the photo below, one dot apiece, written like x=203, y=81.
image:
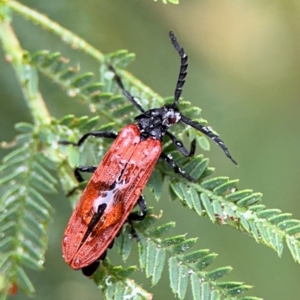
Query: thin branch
x=75, y=42
x=26, y=75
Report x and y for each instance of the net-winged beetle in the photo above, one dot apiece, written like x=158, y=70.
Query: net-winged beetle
x=117, y=183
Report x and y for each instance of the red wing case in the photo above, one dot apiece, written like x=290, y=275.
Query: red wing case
x=116, y=185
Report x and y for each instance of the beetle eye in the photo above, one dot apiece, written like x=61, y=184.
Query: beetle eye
x=172, y=120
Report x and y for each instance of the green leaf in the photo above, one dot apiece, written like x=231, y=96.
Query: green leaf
x=39, y=57
x=51, y=60
x=163, y=229
x=218, y=273
x=68, y=74
x=230, y=284
x=158, y=266
x=195, y=256
x=173, y=274
x=195, y=284
x=206, y=261
x=92, y=88
x=205, y=291
x=151, y=257
x=67, y=120
x=249, y=200
x=212, y=183
x=90, y=124
x=182, y=282
x=208, y=207
x=293, y=230
x=279, y=218
x=82, y=80
x=185, y=245
x=27, y=213
x=225, y=187
x=238, y=195
x=239, y=290
x=24, y=127
x=288, y=224
x=172, y=241
x=188, y=195
x=196, y=167
x=268, y=213
x=155, y=184
x=124, y=243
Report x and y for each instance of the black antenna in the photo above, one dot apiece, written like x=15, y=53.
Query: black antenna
x=178, y=91
x=207, y=131
x=132, y=99
x=183, y=67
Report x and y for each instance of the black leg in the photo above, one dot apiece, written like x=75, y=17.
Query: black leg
x=208, y=133
x=111, y=244
x=134, y=216
x=91, y=269
x=175, y=167
x=181, y=147
x=89, y=169
x=132, y=99
x=105, y=134
x=183, y=67
x=137, y=217
x=86, y=169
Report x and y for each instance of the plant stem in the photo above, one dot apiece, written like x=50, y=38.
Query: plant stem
x=27, y=76
x=75, y=42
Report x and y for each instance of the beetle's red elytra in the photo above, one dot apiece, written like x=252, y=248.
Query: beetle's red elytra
x=117, y=183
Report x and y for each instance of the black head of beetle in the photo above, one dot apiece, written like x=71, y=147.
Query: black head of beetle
x=156, y=122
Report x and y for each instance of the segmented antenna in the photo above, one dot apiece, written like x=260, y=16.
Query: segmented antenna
x=183, y=67
x=119, y=82
x=210, y=134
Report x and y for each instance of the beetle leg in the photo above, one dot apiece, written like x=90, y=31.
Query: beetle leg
x=111, y=244
x=138, y=217
x=86, y=169
x=89, y=169
x=89, y=270
x=175, y=167
x=180, y=147
x=119, y=82
x=98, y=134
x=134, y=216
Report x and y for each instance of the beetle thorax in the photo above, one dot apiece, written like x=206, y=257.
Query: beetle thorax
x=155, y=122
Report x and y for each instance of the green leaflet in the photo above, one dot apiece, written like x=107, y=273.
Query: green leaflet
x=216, y=198
x=26, y=177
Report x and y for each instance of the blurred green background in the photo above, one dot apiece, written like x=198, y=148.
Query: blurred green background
x=244, y=72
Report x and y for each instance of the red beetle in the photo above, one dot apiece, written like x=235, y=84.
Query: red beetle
x=117, y=183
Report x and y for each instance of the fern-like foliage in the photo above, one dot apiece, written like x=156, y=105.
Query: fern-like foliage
x=153, y=257
x=26, y=175
x=25, y=213
x=184, y=267
x=218, y=198
x=115, y=283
